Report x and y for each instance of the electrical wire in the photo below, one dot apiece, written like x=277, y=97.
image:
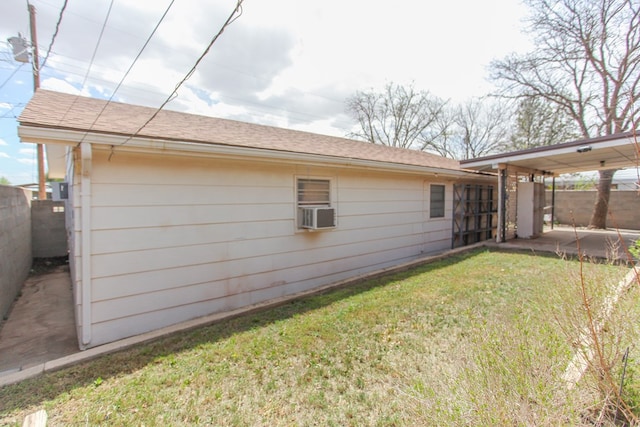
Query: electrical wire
x=262, y=105
x=55, y=34
x=230, y=20
x=141, y=50
x=104, y=25
x=126, y=73
x=10, y=114
x=11, y=76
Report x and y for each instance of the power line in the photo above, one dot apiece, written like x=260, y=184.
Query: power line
x=264, y=108
x=11, y=76
x=104, y=25
x=137, y=57
x=128, y=70
x=262, y=105
x=10, y=114
x=230, y=20
x=55, y=33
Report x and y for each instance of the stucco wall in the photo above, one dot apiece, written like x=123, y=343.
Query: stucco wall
x=15, y=243
x=49, y=236
x=575, y=207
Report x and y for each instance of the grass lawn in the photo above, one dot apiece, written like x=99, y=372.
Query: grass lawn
x=479, y=338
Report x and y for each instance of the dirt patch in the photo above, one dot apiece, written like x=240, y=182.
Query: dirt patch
x=48, y=265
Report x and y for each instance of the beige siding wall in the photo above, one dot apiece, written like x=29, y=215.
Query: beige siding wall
x=178, y=238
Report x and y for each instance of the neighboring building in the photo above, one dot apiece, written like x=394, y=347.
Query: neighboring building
x=34, y=189
x=189, y=215
x=625, y=180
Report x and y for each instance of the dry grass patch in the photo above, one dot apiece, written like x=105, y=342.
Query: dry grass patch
x=470, y=340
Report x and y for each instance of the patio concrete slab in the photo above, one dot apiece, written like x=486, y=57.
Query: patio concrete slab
x=608, y=244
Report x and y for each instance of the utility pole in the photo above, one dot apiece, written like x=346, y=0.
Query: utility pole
x=21, y=54
x=42, y=194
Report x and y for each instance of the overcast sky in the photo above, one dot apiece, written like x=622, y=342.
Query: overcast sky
x=287, y=63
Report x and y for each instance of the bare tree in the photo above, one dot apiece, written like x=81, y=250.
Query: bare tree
x=398, y=117
x=442, y=137
x=474, y=128
x=587, y=62
x=483, y=128
x=539, y=123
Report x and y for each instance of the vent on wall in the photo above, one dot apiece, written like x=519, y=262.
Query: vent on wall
x=318, y=218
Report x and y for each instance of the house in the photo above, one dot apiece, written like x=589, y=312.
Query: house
x=185, y=215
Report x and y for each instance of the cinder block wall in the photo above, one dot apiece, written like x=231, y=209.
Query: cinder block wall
x=15, y=243
x=577, y=206
x=49, y=236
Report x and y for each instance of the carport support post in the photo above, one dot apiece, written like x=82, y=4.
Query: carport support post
x=502, y=203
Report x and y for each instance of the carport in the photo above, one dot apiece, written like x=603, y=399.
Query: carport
x=521, y=176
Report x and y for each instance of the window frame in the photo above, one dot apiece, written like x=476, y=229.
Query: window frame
x=330, y=202
x=437, y=208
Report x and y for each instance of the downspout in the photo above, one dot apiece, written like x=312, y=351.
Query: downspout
x=85, y=212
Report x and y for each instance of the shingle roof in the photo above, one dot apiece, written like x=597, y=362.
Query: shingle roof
x=70, y=112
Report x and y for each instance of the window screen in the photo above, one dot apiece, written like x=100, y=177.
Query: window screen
x=314, y=192
x=436, y=205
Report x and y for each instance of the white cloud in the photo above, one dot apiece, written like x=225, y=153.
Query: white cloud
x=25, y=161
x=4, y=155
x=283, y=62
x=59, y=85
x=28, y=151
x=3, y=142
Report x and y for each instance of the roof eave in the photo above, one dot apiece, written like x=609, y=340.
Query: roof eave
x=118, y=143
x=492, y=162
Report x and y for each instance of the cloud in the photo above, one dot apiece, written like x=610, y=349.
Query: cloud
x=3, y=142
x=4, y=155
x=27, y=161
x=282, y=62
x=60, y=85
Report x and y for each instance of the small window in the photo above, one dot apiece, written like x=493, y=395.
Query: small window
x=315, y=210
x=314, y=192
x=436, y=205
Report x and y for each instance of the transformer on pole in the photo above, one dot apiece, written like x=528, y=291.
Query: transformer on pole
x=20, y=48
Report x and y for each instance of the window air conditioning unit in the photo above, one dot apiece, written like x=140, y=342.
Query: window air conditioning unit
x=318, y=218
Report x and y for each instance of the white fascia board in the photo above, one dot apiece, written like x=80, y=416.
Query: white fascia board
x=120, y=143
x=493, y=161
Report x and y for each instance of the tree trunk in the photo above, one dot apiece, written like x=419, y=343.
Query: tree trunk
x=601, y=208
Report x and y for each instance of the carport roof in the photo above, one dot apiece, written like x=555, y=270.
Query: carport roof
x=608, y=152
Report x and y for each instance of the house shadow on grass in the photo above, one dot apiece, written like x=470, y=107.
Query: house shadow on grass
x=35, y=391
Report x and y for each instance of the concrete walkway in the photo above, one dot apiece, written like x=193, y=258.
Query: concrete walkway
x=40, y=326
x=40, y=334
x=603, y=244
